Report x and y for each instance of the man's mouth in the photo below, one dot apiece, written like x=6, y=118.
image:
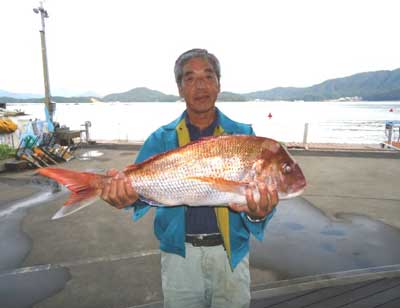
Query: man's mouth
x=201, y=97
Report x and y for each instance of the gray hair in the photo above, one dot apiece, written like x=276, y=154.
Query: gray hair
x=195, y=53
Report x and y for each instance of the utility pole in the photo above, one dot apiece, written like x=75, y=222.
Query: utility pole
x=49, y=105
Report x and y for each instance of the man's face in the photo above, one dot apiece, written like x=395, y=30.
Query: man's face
x=199, y=86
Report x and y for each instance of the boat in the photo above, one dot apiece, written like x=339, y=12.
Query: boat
x=11, y=113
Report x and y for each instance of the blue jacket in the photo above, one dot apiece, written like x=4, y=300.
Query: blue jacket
x=169, y=224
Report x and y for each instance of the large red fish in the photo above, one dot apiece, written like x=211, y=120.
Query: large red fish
x=212, y=171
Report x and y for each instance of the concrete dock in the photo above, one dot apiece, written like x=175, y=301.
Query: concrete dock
x=346, y=225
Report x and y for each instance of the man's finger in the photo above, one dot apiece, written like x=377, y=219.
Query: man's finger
x=274, y=198
x=237, y=207
x=105, y=193
x=113, y=192
x=126, y=194
x=264, y=196
x=120, y=195
x=129, y=189
x=251, y=204
x=112, y=172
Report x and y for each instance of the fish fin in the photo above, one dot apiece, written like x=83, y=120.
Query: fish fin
x=85, y=187
x=132, y=167
x=74, y=204
x=271, y=146
x=150, y=202
x=75, y=181
x=222, y=184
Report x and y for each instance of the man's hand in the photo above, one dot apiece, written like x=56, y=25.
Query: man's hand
x=118, y=192
x=258, y=210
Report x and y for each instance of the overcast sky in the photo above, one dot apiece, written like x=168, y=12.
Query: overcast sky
x=114, y=46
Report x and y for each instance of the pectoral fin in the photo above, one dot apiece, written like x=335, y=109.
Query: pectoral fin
x=222, y=184
x=151, y=202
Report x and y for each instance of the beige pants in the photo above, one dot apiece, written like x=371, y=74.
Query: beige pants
x=204, y=279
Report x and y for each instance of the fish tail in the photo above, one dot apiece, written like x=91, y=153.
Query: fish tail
x=85, y=187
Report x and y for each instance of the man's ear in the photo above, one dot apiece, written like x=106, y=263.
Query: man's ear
x=180, y=91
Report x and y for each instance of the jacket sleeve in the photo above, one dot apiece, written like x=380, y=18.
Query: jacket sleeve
x=257, y=228
x=252, y=131
x=153, y=145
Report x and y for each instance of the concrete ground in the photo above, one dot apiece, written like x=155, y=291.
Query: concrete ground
x=98, y=257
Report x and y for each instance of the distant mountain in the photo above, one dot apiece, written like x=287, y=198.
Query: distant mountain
x=18, y=95
x=6, y=99
x=380, y=85
x=141, y=94
x=370, y=86
x=147, y=95
x=73, y=99
x=57, y=99
x=393, y=95
x=231, y=97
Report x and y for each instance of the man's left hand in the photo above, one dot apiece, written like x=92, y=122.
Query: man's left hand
x=258, y=210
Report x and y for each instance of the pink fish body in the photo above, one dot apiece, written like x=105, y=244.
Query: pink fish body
x=213, y=171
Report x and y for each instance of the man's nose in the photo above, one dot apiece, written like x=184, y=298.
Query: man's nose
x=200, y=83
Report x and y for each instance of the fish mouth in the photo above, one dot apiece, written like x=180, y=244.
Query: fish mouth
x=290, y=195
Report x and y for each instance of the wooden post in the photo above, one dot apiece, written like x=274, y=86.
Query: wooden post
x=50, y=106
x=305, y=136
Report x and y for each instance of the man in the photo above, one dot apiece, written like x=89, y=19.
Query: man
x=204, y=250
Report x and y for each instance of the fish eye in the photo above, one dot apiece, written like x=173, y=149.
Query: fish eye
x=286, y=168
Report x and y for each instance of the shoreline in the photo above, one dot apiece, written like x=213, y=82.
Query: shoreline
x=355, y=147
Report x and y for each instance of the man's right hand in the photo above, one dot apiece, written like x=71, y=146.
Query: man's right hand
x=119, y=192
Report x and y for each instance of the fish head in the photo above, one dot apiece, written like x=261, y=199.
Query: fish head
x=278, y=168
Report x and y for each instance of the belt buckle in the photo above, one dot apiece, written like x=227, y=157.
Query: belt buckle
x=196, y=242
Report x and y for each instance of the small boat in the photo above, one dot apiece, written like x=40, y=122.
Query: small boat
x=11, y=113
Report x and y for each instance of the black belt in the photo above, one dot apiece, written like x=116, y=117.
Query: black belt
x=204, y=240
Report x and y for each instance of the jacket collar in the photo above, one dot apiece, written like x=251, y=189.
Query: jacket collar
x=227, y=124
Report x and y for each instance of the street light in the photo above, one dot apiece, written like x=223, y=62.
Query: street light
x=49, y=105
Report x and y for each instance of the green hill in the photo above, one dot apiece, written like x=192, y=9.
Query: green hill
x=231, y=97
x=370, y=86
x=141, y=94
x=380, y=85
x=57, y=99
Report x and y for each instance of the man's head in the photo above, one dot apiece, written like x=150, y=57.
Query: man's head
x=197, y=75
x=195, y=53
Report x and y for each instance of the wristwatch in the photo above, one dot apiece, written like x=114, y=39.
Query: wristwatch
x=256, y=220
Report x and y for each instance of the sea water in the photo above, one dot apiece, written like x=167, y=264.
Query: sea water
x=328, y=122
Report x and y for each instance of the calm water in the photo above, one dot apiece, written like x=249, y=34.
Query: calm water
x=333, y=122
